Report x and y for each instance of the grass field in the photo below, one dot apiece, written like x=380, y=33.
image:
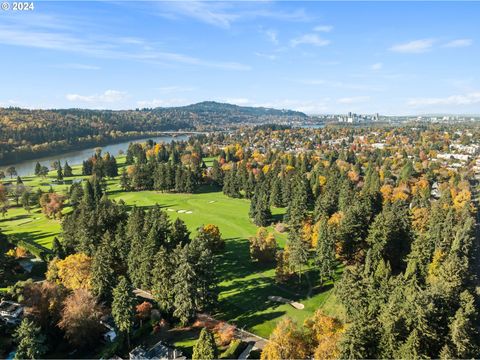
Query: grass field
x=244, y=286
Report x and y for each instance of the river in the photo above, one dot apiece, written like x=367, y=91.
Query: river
x=27, y=167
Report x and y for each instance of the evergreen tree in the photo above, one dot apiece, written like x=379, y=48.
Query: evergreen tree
x=464, y=333
x=184, y=286
x=31, y=342
x=205, y=347
x=102, y=270
x=125, y=180
x=230, y=187
x=162, y=279
x=360, y=340
x=59, y=172
x=67, y=170
x=276, y=197
x=325, y=252
x=134, y=235
x=123, y=307
x=262, y=213
x=216, y=174
x=57, y=249
x=38, y=168
x=298, y=250
x=189, y=182
x=297, y=208
x=179, y=235
x=204, y=264
x=389, y=237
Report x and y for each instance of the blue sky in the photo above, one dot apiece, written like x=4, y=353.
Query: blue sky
x=317, y=57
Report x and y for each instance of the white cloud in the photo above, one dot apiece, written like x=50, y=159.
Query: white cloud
x=353, y=100
x=272, y=36
x=310, y=39
x=224, y=14
x=237, y=101
x=161, y=103
x=323, y=28
x=78, y=67
x=109, y=96
x=376, y=66
x=9, y=103
x=459, y=43
x=266, y=56
x=464, y=99
x=102, y=47
x=414, y=47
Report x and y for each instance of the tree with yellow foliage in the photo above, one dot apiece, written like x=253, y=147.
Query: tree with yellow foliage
x=211, y=235
x=325, y=332
x=287, y=341
x=462, y=199
x=73, y=272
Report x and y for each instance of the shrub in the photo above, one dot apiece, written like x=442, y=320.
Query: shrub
x=234, y=350
x=224, y=333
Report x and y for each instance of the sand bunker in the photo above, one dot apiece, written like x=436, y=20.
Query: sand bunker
x=211, y=202
x=188, y=212
x=295, y=304
x=181, y=211
x=170, y=210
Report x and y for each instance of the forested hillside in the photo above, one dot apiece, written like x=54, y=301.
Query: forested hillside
x=28, y=134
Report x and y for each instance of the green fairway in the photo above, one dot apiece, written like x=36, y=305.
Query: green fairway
x=244, y=286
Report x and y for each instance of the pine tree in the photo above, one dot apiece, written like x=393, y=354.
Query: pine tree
x=145, y=260
x=189, y=182
x=325, y=252
x=276, y=197
x=205, y=347
x=31, y=342
x=123, y=307
x=57, y=249
x=298, y=250
x=360, y=341
x=216, y=174
x=249, y=186
x=67, y=170
x=464, y=334
x=102, y=270
x=125, y=180
x=162, y=280
x=297, y=208
x=179, y=234
x=38, y=168
x=183, y=288
x=59, y=172
x=204, y=264
x=262, y=213
x=134, y=234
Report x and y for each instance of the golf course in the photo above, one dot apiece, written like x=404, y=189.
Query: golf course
x=244, y=286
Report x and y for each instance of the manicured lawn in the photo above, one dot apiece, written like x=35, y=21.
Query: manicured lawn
x=244, y=286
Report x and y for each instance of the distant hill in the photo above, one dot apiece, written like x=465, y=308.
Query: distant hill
x=211, y=112
x=229, y=109
x=31, y=133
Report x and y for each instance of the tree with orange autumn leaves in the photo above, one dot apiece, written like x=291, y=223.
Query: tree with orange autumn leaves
x=318, y=338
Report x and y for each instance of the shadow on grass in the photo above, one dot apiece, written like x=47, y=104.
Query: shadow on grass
x=18, y=217
x=206, y=189
x=235, y=260
x=277, y=218
x=31, y=236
